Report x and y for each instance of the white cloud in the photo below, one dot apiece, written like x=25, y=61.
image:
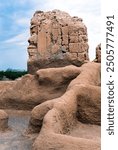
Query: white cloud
x=22, y=21
x=20, y=39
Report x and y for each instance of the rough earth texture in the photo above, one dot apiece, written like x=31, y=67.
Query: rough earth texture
x=32, y=90
x=56, y=119
x=57, y=39
x=66, y=100
x=69, y=98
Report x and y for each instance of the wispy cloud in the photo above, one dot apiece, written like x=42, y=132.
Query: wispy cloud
x=20, y=39
x=22, y=21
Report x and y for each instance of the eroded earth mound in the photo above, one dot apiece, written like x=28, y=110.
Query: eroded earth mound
x=32, y=90
x=69, y=99
x=57, y=119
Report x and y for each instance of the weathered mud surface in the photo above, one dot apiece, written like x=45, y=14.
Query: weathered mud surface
x=66, y=119
x=14, y=138
x=32, y=90
x=58, y=120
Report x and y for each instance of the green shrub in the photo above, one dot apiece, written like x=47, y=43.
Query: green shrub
x=12, y=74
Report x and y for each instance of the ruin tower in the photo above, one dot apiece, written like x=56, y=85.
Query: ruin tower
x=56, y=40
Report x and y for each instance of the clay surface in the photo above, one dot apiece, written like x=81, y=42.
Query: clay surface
x=58, y=119
x=32, y=90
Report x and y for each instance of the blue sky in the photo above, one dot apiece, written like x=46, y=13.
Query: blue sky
x=15, y=18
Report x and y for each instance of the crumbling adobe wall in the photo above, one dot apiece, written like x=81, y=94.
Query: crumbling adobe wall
x=57, y=40
x=98, y=54
x=56, y=119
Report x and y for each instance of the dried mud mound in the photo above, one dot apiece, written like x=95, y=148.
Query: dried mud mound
x=32, y=90
x=68, y=114
x=58, y=120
